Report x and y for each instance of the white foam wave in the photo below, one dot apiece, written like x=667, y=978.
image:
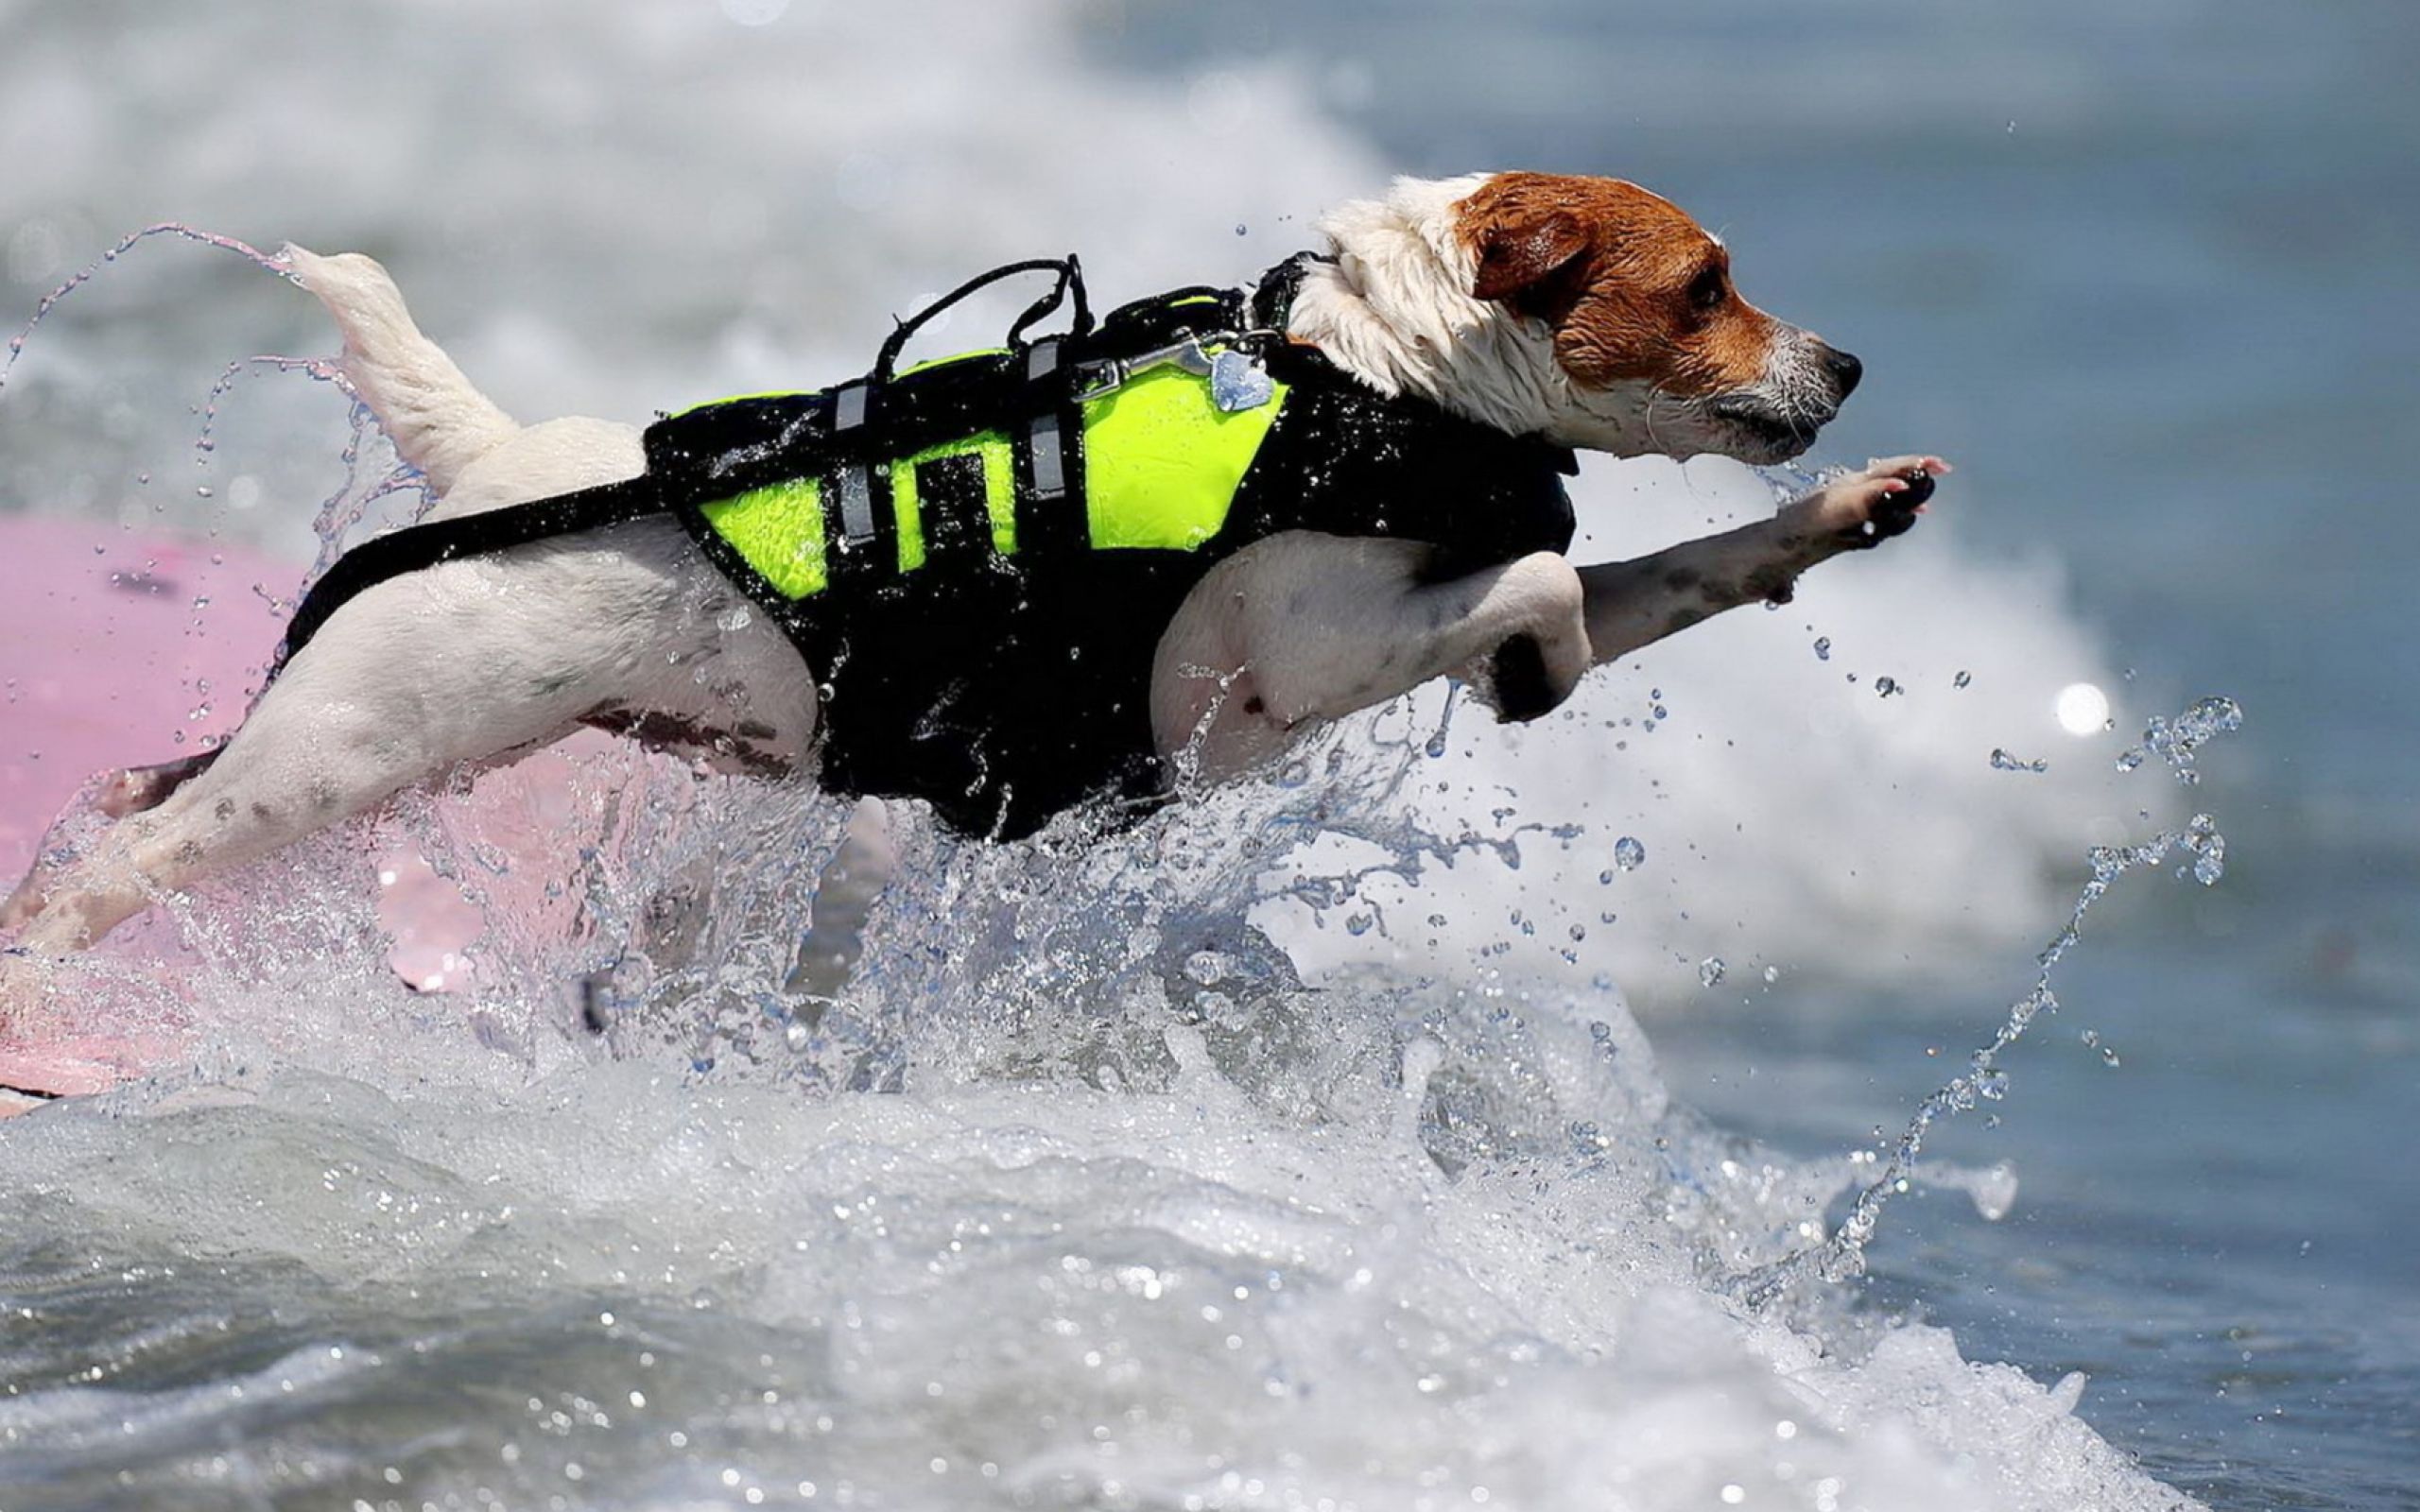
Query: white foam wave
x=1178, y=1291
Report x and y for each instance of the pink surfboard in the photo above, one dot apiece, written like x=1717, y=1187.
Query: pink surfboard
x=122, y=648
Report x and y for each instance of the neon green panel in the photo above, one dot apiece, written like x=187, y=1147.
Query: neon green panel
x=1000, y=494
x=779, y=529
x=1162, y=463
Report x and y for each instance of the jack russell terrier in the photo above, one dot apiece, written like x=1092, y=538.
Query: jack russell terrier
x=1024, y=581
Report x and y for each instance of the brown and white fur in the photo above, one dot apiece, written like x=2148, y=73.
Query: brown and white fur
x=1584, y=309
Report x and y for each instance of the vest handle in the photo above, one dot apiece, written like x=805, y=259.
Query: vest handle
x=1070, y=283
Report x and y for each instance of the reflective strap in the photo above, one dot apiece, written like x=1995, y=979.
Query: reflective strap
x=848, y=407
x=856, y=505
x=1045, y=443
x=1050, y=466
x=852, y=490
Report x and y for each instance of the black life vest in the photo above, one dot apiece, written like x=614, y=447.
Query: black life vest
x=981, y=611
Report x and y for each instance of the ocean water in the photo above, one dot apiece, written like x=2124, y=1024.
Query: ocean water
x=1373, y=1135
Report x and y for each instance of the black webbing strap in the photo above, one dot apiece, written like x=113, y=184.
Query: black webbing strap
x=417, y=546
x=1047, y=463
x=1272, y=298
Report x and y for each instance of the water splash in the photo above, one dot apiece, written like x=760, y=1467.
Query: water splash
x=2178, y=741
x=16, y=346
x=344, y=509
x=1842, y=1255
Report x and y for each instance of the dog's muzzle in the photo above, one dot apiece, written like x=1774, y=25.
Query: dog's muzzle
x=1775, y=431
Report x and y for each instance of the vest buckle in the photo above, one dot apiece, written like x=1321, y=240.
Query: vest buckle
x=1112, y=373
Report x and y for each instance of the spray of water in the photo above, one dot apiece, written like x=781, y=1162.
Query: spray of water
x=2178, y=743
x=124, y=244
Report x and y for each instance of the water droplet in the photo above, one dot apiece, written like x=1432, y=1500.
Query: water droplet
x=1823, y=648
x=1885, y=687
x=1240, y=227
x=1710, y=971
x=2041, y=1000
x=1772, y=973
x=1961, y=679
x=1629, y=855
x=2003, y=762
x=2209, y=849
x=2177, y=742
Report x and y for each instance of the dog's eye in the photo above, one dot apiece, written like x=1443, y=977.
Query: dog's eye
x=1708, y=289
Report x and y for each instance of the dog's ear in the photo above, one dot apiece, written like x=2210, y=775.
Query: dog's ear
x=1530, y=261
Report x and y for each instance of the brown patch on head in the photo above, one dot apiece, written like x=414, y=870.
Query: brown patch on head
x=1631, y=287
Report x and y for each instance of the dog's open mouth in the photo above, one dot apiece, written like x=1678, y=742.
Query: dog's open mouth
x=1770, y=431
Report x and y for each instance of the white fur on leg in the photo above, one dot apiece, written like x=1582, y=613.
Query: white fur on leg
x=1306, y=627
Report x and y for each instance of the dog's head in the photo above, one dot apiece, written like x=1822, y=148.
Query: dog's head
x=1634, y=300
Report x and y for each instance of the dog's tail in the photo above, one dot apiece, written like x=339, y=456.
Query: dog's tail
x=438, y=422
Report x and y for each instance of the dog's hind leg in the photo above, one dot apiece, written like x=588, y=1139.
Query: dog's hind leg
x=465, y=662
x=133, y=790
x=439, y=423
x=473, y=661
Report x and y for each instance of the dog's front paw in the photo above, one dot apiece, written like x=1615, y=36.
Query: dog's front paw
x=1518, y=683
x=1869, y=506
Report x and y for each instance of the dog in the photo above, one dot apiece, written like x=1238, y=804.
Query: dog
x=1577, y=311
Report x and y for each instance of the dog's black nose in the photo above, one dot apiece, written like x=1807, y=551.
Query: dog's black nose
x=1846, y=370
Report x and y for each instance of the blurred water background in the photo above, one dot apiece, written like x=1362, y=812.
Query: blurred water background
x=2143, y=271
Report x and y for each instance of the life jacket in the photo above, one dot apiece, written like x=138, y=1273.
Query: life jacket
x=977, y=555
